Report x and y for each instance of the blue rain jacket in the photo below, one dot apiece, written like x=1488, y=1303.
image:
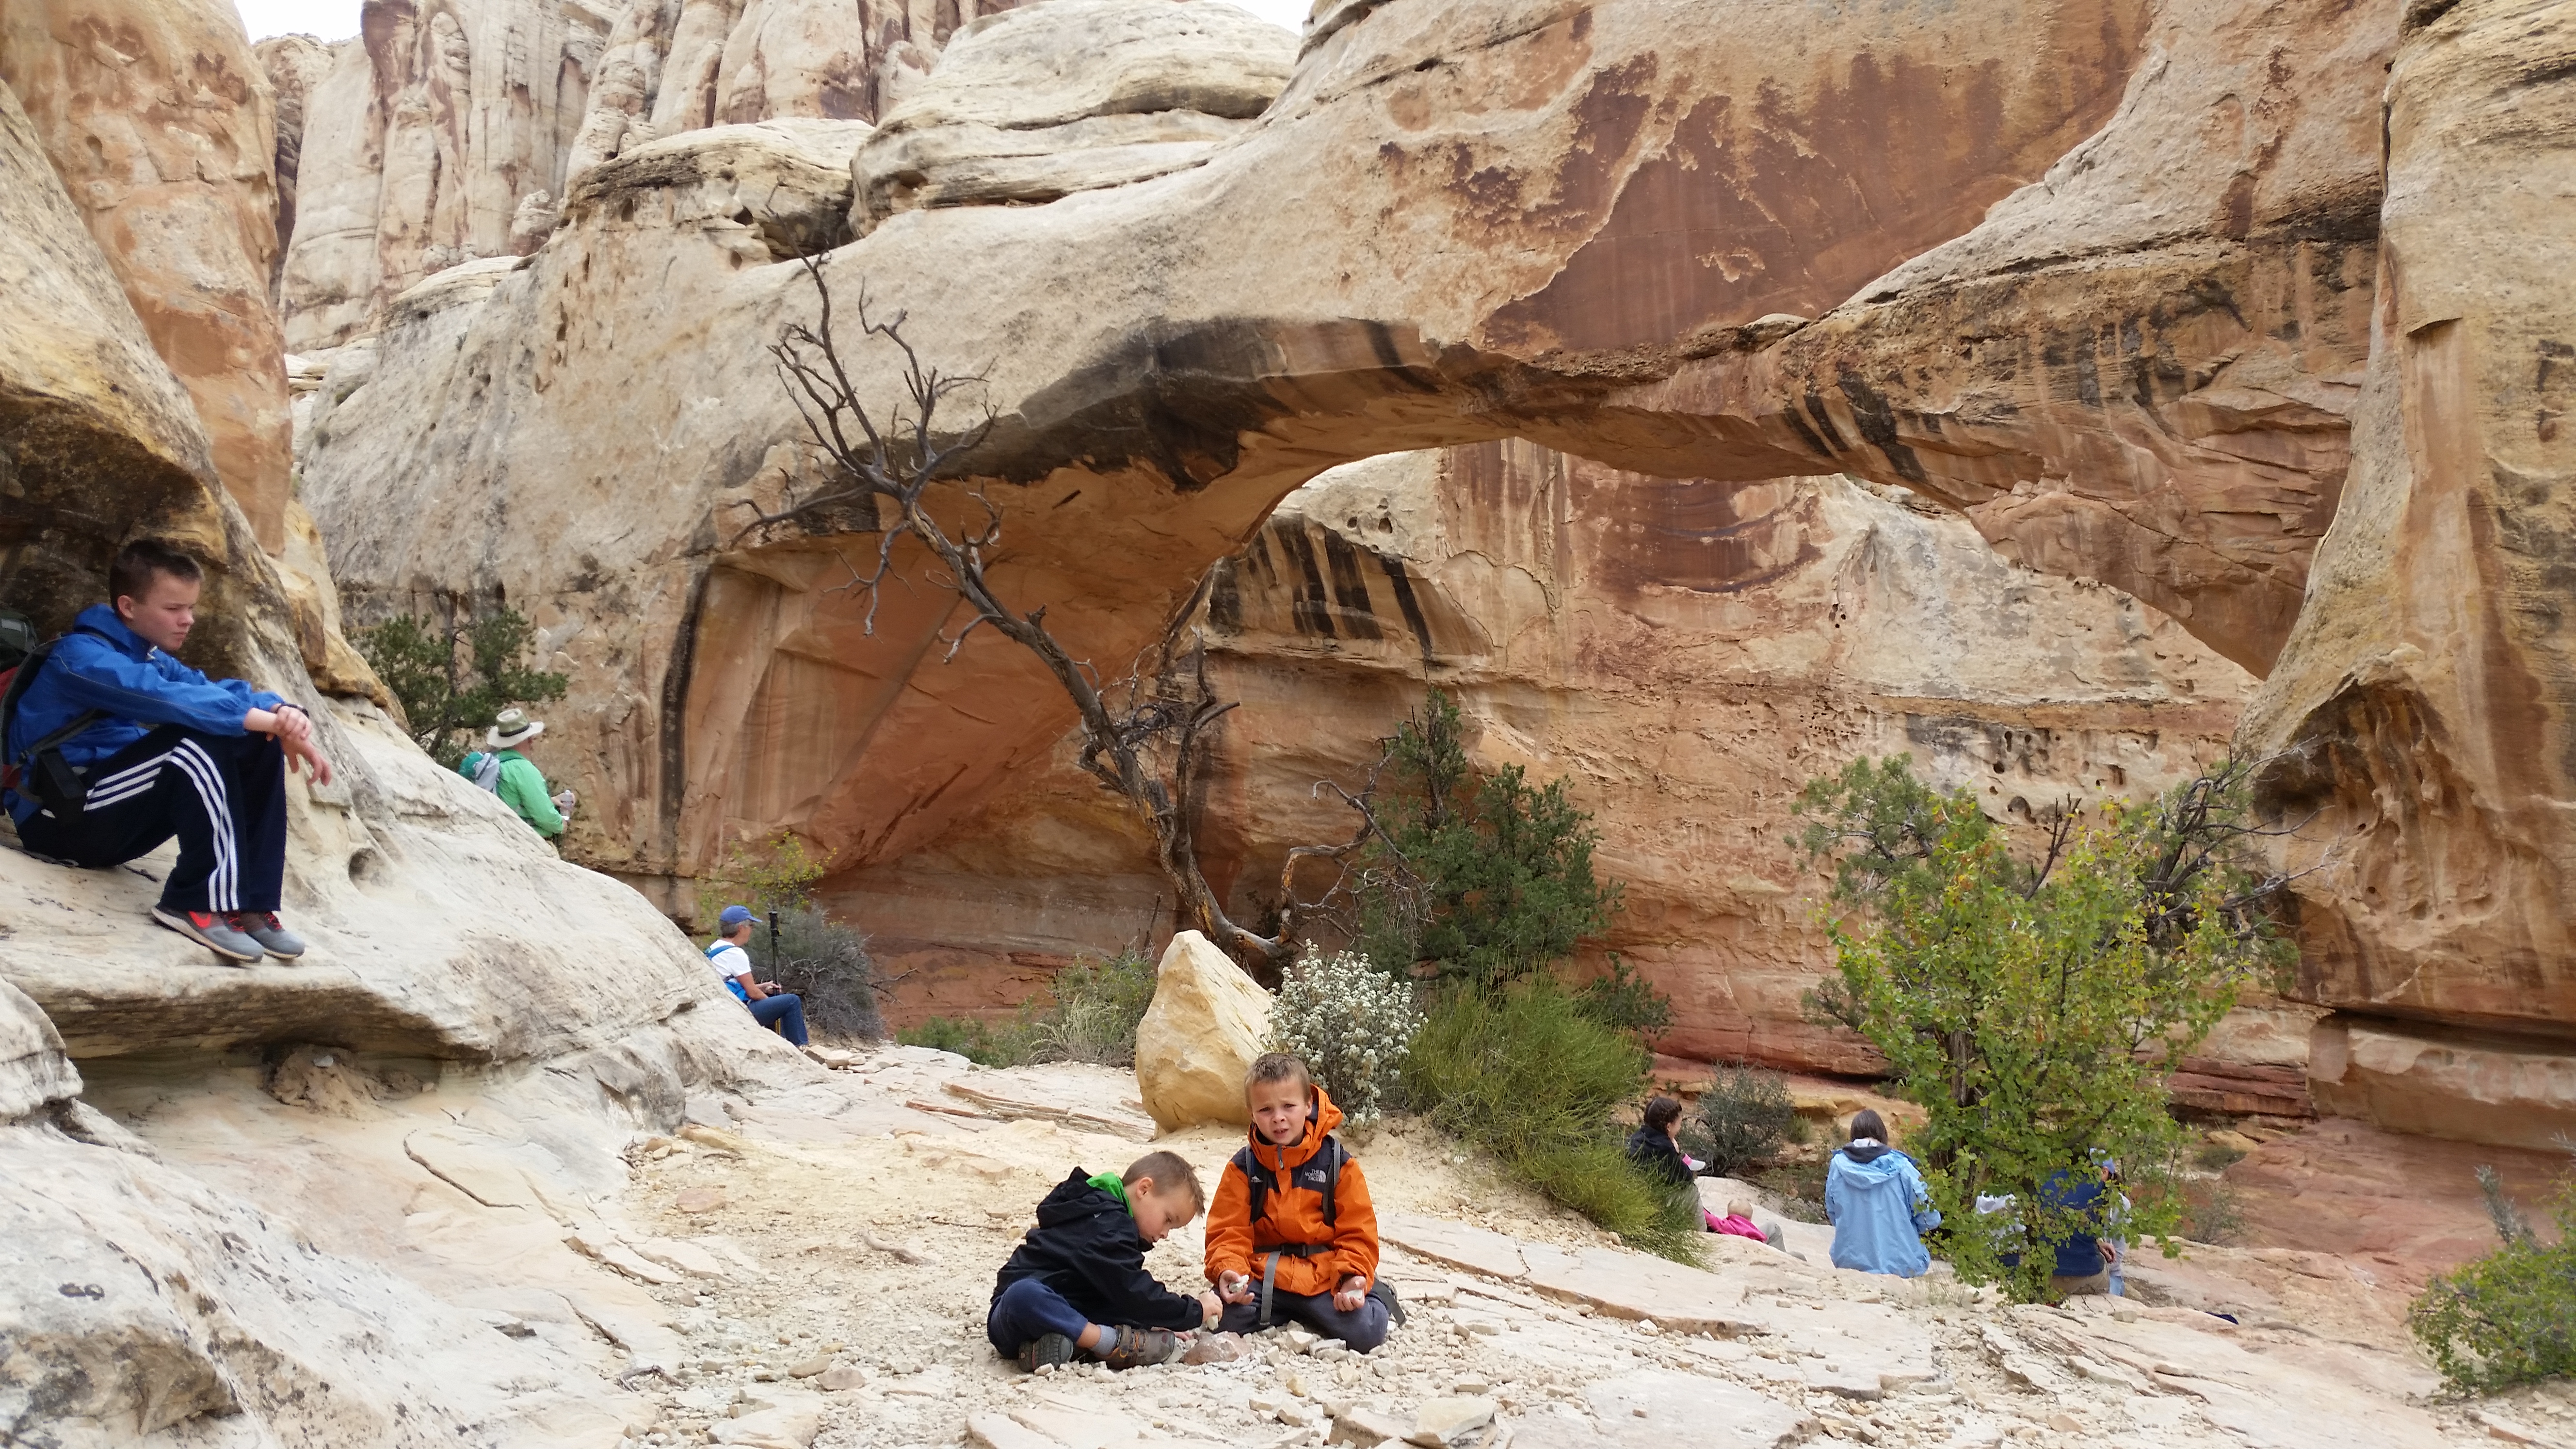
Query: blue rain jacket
x=1879, y=1208
x=138, y=687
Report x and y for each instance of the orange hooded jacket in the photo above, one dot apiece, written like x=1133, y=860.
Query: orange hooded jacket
x=1294, y=1213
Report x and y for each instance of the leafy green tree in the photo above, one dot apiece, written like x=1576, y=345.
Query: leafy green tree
x=1487, y=878
x=453, y=680
x=2036, y=1008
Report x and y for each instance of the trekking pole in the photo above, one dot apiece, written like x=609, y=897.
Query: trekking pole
x=773, y=946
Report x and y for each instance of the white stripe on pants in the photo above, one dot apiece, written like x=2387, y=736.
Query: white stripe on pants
x=223, y=884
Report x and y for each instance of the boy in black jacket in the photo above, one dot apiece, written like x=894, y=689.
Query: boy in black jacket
x=1077, y=1282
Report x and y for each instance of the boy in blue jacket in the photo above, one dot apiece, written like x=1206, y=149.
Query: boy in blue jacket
x=156, y=749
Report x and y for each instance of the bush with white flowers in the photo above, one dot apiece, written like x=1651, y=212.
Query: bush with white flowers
x=1352, y=1023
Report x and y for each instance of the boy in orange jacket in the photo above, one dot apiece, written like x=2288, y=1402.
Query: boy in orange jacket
x=1291, y=1234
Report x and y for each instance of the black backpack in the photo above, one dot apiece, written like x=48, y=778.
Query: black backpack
x=1323, y=1172
x=40, y=770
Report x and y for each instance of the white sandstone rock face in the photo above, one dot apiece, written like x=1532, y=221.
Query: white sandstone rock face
x=1076, y=95
x=421, y=146
x=458, y=133
x=768, y=191
x=1207, y=1022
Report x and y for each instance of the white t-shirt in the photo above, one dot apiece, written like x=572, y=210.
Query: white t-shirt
x=731, y=961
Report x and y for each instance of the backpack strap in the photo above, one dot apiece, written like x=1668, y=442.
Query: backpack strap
x=1263, y=1182
x=1258, y=1176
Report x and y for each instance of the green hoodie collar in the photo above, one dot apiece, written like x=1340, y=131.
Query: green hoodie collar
x=1108, y=1182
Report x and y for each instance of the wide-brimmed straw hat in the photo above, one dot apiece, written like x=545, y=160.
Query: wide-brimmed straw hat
x=513, y=727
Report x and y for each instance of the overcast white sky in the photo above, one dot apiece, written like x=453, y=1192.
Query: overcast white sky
x=338, y=19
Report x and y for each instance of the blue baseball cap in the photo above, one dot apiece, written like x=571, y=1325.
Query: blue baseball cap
x=733, y=916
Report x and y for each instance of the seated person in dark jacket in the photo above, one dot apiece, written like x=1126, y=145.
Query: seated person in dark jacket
x=1077, y=1283
x=1655, y=1148
x=2080, y=1268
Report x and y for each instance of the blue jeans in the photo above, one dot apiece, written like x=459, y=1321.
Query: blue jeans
x=1029, y=1310
x=782, y=1012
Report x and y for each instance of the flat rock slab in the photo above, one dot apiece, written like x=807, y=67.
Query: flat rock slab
x=1632, y=1285
x=1661, y=1410
x=2268, y=1398
x=1456, y=1244
x=1033, y=1100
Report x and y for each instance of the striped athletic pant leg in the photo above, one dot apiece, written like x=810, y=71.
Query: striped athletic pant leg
x=223, y=796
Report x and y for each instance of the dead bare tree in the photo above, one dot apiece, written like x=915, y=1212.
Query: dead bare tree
x=1144, y=736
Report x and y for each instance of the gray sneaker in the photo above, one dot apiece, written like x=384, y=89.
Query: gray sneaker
x=212, y=932
x=263, y=927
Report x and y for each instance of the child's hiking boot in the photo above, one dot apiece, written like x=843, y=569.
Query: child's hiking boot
x=1047, y=1350
x=1384, y=1292
x=273, y=937
x=1136, y=1347
x=212, y=932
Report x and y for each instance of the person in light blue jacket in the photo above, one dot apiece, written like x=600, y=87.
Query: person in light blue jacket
x=1875, y=1197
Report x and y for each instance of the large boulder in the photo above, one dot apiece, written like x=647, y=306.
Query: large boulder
x=1197, y=1041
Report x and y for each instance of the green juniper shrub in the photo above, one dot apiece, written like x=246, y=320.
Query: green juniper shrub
x=1482, y=879
x=2510, y=1317
x=1743, y=1117
x=1625, y=1001
x=2035, y=1009
x=454, y=679
x=1524, y=1074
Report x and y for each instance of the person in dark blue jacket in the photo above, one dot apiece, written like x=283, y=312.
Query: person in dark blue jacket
x=1078, y=1284
x=157, y=749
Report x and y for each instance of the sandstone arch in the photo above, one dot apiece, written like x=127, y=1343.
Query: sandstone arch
x=1171, y=357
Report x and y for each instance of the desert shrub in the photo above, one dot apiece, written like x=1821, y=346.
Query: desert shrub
x=981, y=1042
x=1526, y=1075
x=2216, y=1156
x=1625, y=1001
x=2510, y=1317
x=1482, y=879
x=827, y=964
x=454, y=679
x=1743, y=1117
x=1354, y=1025
x=2212, y=1212
x=1799, y=1188
x=775, y=874
x=1098, y=1005
x=2036, y=1009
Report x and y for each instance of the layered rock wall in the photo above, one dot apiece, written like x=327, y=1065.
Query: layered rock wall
x=2424, y=712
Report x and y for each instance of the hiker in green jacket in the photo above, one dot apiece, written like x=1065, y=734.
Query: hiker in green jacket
x=507, y=773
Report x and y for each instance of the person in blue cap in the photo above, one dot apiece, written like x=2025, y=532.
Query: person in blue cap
x=781, y=1011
